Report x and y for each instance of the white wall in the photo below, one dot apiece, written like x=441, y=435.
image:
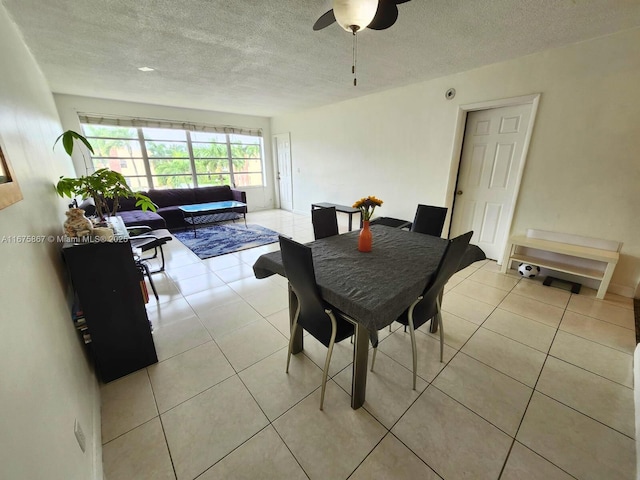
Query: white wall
x=258, y=198
x=45, y=379
x=583, y=170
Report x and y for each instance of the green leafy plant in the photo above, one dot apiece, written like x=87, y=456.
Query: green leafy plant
x=101, y=185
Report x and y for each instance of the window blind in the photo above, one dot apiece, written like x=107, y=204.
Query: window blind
x=157, y=123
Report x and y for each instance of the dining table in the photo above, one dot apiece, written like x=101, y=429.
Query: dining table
x=372, y=288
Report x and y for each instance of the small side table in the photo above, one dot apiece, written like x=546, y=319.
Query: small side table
x=340, y=208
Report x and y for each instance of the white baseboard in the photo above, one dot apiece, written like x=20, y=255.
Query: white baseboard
x=636, y=398
x=622, y=290
x=98, y=472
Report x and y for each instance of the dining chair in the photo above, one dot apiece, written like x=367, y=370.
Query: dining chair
x=325, y=222
x=143, y=267
x=427, y=306
x=145, y=239
x=429, y=219
x=313, y=314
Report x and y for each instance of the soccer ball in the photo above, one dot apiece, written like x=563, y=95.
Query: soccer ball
x=528, y=271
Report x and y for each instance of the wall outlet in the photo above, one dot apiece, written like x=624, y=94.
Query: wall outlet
x=77, y=430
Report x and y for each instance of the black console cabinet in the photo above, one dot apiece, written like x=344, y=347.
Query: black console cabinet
x=107, y=284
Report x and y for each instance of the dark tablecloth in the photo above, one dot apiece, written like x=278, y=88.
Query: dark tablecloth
x=373, y=288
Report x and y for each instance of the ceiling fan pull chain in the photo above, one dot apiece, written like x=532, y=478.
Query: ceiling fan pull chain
x=355, y=57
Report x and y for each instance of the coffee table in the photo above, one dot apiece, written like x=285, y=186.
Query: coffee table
x=192, y=212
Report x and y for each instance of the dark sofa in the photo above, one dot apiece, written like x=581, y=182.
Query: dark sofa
x=168, y=215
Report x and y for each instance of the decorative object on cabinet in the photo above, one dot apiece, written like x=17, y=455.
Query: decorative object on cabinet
x=77, y=225
x=103, y=234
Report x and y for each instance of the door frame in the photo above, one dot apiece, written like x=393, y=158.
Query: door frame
x=461, y=123
x=276, y=169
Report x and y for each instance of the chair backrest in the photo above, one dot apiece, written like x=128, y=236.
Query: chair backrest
x=151, y=239
x=325, y=222
x=429, y=219
x=427, y=308
x=298, y=266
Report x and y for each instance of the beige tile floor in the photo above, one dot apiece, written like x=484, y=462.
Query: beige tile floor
x=536, y=384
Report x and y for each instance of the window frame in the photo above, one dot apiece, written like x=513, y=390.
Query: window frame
x=193, y=175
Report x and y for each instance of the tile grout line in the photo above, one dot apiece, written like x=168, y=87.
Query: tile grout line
x=533, y=391
x=587, y=370
x=237, y=373
x=164, y=433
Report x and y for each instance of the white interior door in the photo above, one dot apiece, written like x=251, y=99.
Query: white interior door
x=283, y=154
x=488, y=177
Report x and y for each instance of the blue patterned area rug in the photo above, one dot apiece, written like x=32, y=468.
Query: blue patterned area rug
x=220, y=239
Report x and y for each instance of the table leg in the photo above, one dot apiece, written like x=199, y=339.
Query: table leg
x=298, y=345
x=350, y=221
x=194, y=226
x=359, y=379
x=360, y=354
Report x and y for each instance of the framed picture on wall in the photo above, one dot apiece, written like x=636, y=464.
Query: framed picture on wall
x=9, y=189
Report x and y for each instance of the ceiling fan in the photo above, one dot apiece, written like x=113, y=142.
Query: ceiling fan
x=385, y=16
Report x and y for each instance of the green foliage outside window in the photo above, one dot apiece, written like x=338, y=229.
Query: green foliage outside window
x=120, y=149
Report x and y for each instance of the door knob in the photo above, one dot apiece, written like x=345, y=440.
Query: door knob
x=459, y=192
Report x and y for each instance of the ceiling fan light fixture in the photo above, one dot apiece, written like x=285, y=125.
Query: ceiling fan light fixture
x=354, y=15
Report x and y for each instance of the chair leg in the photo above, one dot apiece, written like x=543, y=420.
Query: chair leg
x=145, y=267
x=291, y=338
x=155, y=254
x=334, y=328
x=415, y=354
x=439, y=316
x=161, y=269
x=373, y=359
x=413, y=341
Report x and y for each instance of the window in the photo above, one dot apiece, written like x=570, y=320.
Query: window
x=150, y=155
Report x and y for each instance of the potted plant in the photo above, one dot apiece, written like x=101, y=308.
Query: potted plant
x=101, y=185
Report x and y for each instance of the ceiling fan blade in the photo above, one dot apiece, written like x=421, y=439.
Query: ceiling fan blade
x=398, y=2
x=325, y=20
x=386, y=16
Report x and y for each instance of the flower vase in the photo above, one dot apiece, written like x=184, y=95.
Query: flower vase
x=365, y=239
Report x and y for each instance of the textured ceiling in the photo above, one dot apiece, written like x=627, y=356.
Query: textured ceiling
x=261, y=57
